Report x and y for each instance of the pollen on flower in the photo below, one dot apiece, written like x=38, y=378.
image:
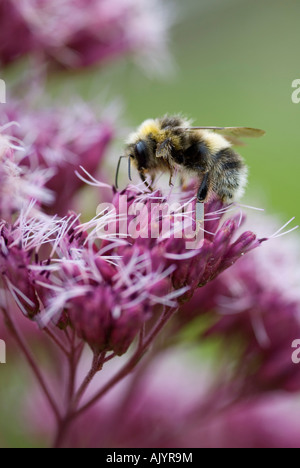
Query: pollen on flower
x=55, y=143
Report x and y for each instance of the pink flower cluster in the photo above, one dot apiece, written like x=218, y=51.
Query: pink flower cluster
x=134, y=280
x=79, y=33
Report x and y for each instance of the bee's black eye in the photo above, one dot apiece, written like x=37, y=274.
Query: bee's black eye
x=141, y=154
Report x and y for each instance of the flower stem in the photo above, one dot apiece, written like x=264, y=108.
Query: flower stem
x=56, y=341
x=96, y=367
x=98, y=362
x=73, y=401
x=62, y=429
x=72, y=376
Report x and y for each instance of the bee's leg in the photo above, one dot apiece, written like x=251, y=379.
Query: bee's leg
x=184, y=181
x=203, y=189
x=151, y=186
x=144, y=179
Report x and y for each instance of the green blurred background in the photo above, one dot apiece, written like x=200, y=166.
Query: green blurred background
x=235, y=62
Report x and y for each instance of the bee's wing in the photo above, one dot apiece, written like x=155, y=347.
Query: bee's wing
x=233, y=134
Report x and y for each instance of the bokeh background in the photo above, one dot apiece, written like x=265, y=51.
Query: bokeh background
x=234, y=64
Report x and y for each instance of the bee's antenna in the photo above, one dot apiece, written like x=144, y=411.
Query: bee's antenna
x=118, y=170
x=129, y=168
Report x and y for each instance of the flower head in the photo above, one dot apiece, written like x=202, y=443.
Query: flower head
x=56, y=142
x=108, y=285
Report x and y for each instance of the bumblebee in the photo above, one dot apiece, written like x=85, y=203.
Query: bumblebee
x=170, y=144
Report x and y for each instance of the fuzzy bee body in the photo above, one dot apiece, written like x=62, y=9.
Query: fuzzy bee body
x=170, y=144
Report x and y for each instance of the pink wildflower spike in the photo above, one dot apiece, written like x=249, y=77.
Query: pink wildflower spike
x=141, y=276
